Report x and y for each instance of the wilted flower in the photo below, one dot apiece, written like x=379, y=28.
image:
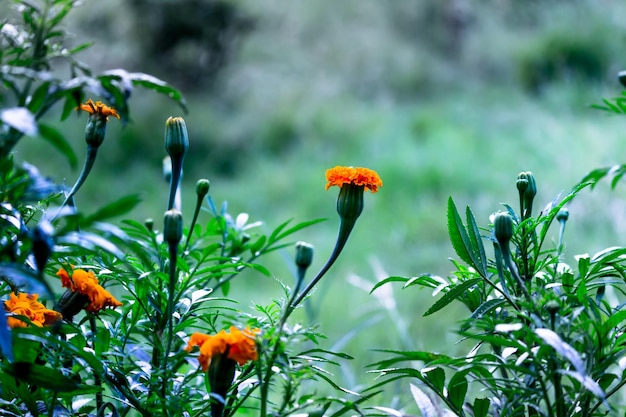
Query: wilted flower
x=27, y=305
x=238, y=345
x=86, y=283
x=98, y=109
x=98, y=117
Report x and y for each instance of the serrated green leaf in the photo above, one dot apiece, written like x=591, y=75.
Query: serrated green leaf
x=458, y=235
x=457, y=389
x=452, y=295
x=481, y=407
x=436, y=377
x=56, y=139
x=477, y=243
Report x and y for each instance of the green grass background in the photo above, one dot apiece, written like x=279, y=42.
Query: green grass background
x=365, y=83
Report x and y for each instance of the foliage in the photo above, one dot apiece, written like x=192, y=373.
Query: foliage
x=544, y=337
x=173, y=281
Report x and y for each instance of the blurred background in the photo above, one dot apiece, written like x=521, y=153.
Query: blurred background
x=443, y=98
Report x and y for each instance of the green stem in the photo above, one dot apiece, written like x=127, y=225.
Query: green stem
x=92, y=152
x=96, y=376
x=173, y=249
x=193, y=223
x=177, y=166
x=345, y=227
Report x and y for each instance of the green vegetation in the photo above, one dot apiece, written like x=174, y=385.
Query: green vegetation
x=441, y=98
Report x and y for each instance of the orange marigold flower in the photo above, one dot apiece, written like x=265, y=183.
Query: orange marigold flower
x=86, y=283
x=27, y=305
x=240, y=345
x=98, y=108
x=366, y=177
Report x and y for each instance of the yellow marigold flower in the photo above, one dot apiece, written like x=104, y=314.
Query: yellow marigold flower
x=240, y=345
x=98, y=108
x=27, y=305
x=86, y=283
x=365, y=177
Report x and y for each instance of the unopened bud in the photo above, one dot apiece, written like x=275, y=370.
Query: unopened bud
x=530, y=193
x=202, y=187
x=552, y=307
x=176, y=138
x=173, y=226
x=304, y=254
x=149, y=223
x=522, y=183
x=503, y=228
x=562, y=215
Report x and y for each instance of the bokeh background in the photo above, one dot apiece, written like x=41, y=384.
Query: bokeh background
x=441, y=97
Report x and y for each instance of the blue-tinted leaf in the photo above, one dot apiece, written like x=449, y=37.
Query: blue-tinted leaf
x=25, y=279
x=6, y=345
x=562, y=348
x=426, y=406
x=20, y=119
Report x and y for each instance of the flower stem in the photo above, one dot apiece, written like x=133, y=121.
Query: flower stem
x=345, y=227
x=92, y=152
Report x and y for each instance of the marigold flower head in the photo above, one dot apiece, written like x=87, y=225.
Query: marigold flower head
x=365, y=177
x=99, y=108
x=27, y=305
x=239, y=344
x=86, y=283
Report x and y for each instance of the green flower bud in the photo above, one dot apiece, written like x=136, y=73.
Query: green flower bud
x=562, y=215
x=176, y=138
x=350, y=202
x=304, y=254
x=95, y=130
x=173, y=226
x=522, y=182
x=552, y=307
x=530, y=193
x=503, y=228
x=149, y=223
x=202, y=187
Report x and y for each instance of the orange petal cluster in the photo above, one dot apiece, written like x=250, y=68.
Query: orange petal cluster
x=365, y=177
x=27, y=305
x=240, y=345
x=86, y=283
x=98, y=108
